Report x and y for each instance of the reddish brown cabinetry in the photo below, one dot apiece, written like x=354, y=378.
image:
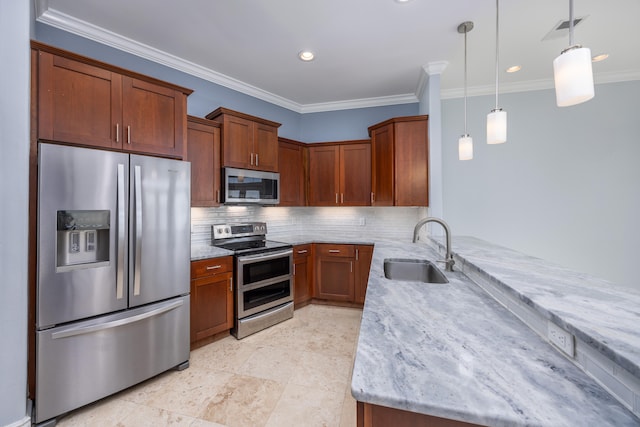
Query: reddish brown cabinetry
x=247, y=142
x=89, y=103
x=340, y=174
x=364, y=254
x=211, y=297
x=203, y=151
x=399, y=162
x=291, y=165
x=302, y=275
x=369, y=415
x=335, y=272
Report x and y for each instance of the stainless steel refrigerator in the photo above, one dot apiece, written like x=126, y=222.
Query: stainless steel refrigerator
x=112, y=304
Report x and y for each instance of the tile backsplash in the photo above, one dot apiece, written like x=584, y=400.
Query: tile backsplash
x=344, y=222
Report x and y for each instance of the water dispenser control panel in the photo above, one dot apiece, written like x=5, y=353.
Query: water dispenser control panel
x=82, y=238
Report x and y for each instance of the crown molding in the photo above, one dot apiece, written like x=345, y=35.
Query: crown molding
x=380, y=101
x=430, y=69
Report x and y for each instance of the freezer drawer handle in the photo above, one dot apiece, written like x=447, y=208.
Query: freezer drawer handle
x=95, y=328
x=138, y=249
x=121, y=234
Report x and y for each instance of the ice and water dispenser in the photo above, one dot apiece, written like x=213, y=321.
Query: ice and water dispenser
x=82, y=239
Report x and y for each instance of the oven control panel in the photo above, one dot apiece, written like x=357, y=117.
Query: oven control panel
x=247, y=229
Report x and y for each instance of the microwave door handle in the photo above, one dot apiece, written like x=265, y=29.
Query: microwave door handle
x=138, y=236
x=120, y=231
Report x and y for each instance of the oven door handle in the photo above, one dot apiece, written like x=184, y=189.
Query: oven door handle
x=264, y=256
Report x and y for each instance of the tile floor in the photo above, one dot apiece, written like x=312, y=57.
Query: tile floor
x=297, y=373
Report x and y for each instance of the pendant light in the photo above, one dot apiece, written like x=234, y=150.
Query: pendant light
x=497, y=118
x=465, y=143
x=572, y=72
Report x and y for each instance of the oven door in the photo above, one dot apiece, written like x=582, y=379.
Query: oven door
x=263, y=281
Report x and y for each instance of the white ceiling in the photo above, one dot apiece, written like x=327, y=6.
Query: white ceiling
x=368, y=52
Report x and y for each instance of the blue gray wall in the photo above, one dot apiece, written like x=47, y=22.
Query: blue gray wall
x=14, y=214
x=565, y=185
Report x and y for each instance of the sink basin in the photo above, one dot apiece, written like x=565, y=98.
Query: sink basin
x=413, y=270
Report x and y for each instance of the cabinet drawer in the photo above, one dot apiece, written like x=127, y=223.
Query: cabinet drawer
x=301, y=251
x=325, y=249
x=211, y=266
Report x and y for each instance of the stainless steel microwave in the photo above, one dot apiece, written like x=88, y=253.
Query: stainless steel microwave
x=245, y=186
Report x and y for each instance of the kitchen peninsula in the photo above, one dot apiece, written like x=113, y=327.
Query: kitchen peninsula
x=451, y=351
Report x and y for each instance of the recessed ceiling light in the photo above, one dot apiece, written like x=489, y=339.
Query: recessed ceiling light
x=403, y=1
x=306, y=55
x=514, y=68
x=600, y=57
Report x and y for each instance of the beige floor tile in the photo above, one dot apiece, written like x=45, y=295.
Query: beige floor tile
x=272, y=363
x=348, y=418
x=323, y=372
x=243, y=401
x=106, y=412
x=187, y=392
x=226, y=355
x=145, y=416
x=308, y=407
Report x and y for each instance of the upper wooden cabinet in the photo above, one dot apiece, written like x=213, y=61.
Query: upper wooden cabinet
x=248, y=142
x=399, y=162
x=291, y=165
x=86, y=102
x=340, y=174
x=203, y=151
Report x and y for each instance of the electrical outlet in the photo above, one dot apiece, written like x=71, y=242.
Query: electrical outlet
x=560, y=338
x=363, y=221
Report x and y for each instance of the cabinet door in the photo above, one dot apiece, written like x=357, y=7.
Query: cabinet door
x=291, y=168
x=335, y=278
x=411, y=164
x=324, y=175
x=237, y=136
x=212, y=305
x=382, y=173
x=203, y=151
x=355, y=175
x=364, y=254
x=78, y=103
x=302, y=274
x=265, y=148
x=154, y=118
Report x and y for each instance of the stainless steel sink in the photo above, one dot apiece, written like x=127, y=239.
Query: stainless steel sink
x=413, y=270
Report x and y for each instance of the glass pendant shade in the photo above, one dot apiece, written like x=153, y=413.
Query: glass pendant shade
x=573, y=76
x=497, y=126
x=465, y=147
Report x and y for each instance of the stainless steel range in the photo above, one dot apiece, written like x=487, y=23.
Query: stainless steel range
x=263, y=276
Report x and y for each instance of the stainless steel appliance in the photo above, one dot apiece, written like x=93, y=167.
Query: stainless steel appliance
x=263, y=273
x=113, y=273
x=244, y=186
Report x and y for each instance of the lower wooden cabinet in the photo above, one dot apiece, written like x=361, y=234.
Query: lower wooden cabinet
x=364, y=254
x=302, y=275
x=342, y=272
x=369, y=415
x=211, y=297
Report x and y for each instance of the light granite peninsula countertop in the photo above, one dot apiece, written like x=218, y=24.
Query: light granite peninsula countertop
x=452, y=351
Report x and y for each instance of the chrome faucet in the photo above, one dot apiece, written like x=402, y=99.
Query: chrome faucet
x=448, y=261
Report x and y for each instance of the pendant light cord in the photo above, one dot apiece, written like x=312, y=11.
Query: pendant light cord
x=465, y=82
x=570, y=22
x=497, y=52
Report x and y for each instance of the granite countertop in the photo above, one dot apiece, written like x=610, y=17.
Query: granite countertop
x=452, y=351
x=205, y=250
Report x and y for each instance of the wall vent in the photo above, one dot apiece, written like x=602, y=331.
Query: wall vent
x=561, y=29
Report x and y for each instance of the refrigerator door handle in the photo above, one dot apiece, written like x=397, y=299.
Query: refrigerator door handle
x=138, y=243
x=71, y=332
x=122, y=220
